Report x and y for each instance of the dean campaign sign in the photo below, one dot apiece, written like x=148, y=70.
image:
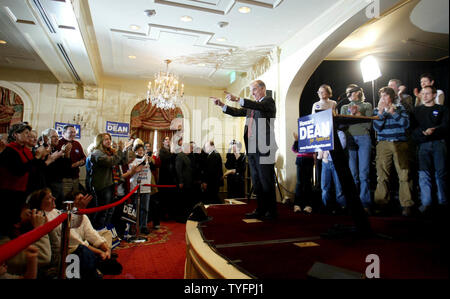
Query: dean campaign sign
x=315, y=132
x=117, y=129
x=59, y=127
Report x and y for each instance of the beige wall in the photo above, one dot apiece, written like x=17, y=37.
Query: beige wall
x=45, y=104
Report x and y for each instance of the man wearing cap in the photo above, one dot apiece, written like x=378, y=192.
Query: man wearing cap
x=359, y=143
x=78, y=158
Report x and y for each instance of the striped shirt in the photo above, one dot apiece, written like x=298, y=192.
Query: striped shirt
x=392, y=127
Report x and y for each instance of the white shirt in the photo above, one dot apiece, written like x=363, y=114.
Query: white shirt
x=323, y=105
x=85, y=235
x=145, y=175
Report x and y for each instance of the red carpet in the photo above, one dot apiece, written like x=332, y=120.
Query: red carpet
x=161, y=257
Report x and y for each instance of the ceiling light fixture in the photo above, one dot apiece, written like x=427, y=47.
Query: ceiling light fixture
x=221, y=39
x=165, y=92
x=132, y=57
x=3, y=42
x=244, y=9
x=150, y=12
x=223, y=24
x=186, y=19
x=135, y=27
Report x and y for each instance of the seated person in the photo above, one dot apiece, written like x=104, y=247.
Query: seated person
x=31, y=256
x=90, y=245
x=25, y=264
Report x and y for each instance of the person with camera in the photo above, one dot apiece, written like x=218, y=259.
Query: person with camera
x=103, y=159
x=145, y=177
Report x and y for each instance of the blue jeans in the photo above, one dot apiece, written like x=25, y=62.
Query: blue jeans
x=104, y=197
x=329, y=174
x=359, y=163
x=143, y=209
x=432, y=157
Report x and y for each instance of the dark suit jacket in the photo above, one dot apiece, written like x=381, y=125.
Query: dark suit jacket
x=213, y=170
x=184, y=170
x=266, y=110
x=238, y=164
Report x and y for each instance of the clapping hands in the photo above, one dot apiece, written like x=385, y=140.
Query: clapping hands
x=81, y=201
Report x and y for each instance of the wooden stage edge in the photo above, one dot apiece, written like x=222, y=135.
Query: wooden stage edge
x=202, y=262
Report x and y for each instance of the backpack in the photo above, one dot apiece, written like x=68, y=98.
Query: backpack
x=89, y=171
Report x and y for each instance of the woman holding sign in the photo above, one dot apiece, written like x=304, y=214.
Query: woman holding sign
x=328, y=173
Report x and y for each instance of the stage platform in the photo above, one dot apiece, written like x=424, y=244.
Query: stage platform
x=227, y=247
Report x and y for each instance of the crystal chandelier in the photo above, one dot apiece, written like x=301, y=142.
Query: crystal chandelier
x=165, y=92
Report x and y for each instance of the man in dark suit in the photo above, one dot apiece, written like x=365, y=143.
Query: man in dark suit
x=184, y=175
x=259, y=138
x=213, y=174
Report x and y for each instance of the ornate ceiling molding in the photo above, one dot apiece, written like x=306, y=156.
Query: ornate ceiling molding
x=217, y=7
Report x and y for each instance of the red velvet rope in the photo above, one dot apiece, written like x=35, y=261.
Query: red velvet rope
x=13, y=247
x=160, y=186
x=111, y=205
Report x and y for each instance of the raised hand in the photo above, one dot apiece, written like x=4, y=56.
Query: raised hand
x=354, y=109
x=381, y=106
x=128, y=145
x=81, y=202
x=217, y=102
x=37, y=218
x=231, y=97
x=54, y=156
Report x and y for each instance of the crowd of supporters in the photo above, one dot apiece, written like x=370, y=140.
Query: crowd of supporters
x=407, y=135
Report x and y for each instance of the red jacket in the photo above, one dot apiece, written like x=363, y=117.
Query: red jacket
x=14, y=171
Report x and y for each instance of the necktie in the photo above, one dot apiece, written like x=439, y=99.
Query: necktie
x=250, y=123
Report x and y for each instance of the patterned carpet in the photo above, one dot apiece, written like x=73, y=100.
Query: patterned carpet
x=161, y=257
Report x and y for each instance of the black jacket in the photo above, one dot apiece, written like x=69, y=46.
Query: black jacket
x=263, y=114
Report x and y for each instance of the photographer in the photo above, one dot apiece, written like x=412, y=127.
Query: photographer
x=103, y=159
x=145, y=177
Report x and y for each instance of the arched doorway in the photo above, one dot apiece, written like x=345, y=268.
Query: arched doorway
x=11, y=109
x=147, y=120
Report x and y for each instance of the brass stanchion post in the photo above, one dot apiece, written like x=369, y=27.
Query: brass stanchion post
x=65, y=235
x=137, y=238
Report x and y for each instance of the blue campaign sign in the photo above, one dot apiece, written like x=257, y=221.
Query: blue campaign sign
x=315, y=132
x=118, y=129
x=59, y=128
